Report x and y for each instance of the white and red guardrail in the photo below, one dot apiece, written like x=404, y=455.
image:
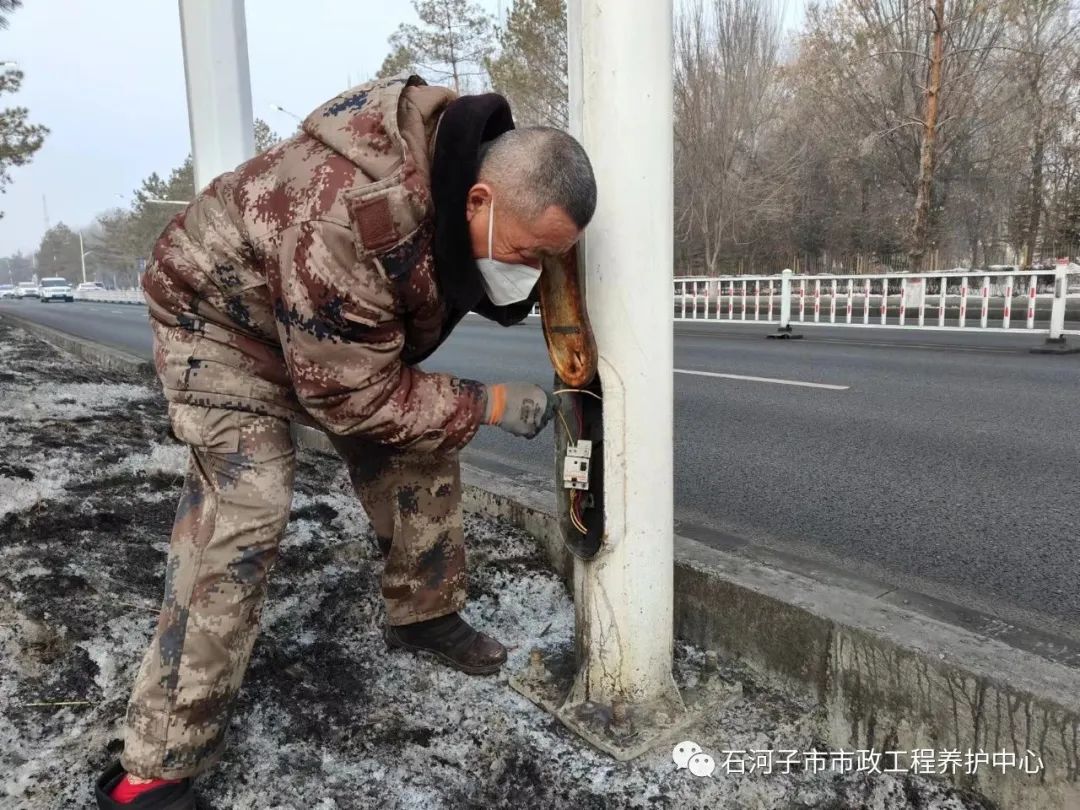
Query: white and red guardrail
x=887, y=300
x=111, y=296
x=991, y=300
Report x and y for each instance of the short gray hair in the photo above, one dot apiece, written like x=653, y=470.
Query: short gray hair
x=540, y=167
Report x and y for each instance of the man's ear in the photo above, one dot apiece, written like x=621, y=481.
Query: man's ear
x=478, y=195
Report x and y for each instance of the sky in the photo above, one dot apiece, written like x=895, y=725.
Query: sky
x=107, y=78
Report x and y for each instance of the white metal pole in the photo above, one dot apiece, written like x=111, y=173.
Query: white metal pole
x=984, y=313
x=620, y=68
x=1006, y=316
x=82, y=257
x=1032, y=291
x=1057, y=311
x=214, y=34
x=785, y=299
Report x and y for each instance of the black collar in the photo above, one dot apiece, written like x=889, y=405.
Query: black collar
x=467, y=122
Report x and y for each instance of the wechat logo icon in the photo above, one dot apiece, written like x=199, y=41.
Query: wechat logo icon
x=688, y=755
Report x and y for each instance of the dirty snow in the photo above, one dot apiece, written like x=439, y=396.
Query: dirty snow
x=328, y=717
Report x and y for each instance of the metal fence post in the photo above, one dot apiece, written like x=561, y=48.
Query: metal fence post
x=785, y=307
x=1057, y=312
x=1055, y=339
x=785, y=301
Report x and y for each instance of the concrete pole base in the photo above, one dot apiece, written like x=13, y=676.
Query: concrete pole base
x=784, y=333
x=622, y=730
x=1055, y=346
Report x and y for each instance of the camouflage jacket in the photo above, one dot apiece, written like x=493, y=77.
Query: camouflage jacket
x=302, y=283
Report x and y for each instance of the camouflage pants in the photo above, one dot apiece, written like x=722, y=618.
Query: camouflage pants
x=233, y=510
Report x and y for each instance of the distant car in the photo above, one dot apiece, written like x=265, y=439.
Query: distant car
x=55, y=289
x=26, y=289
x=83, y=291
x=7, y=291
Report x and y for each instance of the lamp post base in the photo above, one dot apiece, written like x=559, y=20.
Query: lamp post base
x=784, y=333
x=623, y=730
x=1055, y=346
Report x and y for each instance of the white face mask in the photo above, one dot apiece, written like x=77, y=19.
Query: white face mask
x=504, y=283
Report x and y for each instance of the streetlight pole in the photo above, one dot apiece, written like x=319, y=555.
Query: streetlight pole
x=82, y=257
x=623, y=697
x=281, y=109
x=214, y=34
x=620, y=70
x=157, y=200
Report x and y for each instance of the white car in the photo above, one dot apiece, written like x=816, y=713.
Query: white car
x=55, y=289
x=26, y=289
x=7, y=291
x=90, y=286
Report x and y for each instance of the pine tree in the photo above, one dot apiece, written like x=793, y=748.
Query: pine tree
x=58, y=254
x=19, y=139
x=451, y=44
x=530, y=69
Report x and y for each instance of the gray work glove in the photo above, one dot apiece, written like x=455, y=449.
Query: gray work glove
x=520, y=408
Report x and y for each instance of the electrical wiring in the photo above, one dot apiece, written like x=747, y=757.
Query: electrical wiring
x=579, y=391
x=575, y=517
x=575, y=501
x=566, y=427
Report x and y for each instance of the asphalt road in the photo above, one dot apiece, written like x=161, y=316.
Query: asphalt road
x=940, y=464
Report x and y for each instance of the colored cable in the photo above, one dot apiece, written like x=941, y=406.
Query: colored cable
x=579, y=391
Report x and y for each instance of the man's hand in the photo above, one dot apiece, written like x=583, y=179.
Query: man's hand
x=520, y=408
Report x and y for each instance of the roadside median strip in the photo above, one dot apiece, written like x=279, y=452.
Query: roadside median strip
x=889, y=678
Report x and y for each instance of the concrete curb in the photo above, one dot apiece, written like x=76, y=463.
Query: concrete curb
x=94, y=353
x=888, y=678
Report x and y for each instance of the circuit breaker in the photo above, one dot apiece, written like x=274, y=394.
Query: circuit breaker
x=576, y=465
x=579, y=467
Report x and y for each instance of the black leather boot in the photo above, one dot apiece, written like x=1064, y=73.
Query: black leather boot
x=177, y=796
x=453, y=641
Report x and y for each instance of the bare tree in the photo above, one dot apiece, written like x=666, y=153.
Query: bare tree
x=905, y=86
x=726, y=92
x=1041, y=39
x=928, y=148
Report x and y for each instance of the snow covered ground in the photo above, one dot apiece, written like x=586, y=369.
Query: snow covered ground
x=328, y=717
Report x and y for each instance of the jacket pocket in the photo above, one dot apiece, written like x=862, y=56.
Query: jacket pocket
x=391, y=225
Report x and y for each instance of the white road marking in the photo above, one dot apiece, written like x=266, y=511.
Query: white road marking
x=743, y=377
